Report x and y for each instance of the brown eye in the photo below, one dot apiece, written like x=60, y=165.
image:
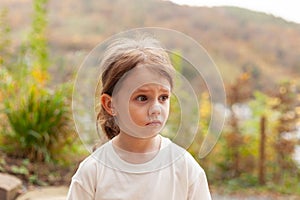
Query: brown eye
x=164, y=97
x=142, y=98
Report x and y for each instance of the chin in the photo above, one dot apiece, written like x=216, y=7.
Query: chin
x=147, y=135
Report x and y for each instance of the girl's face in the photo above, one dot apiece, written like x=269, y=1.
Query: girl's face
x=141, y=102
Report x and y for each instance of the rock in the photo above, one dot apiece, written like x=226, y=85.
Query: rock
x=9, y=186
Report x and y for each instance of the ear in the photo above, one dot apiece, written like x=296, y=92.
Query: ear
x=106, y=102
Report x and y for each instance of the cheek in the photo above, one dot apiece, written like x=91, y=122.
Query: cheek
x=137, y=114
x=167, y=109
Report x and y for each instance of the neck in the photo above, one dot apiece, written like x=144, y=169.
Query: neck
x=137, y=145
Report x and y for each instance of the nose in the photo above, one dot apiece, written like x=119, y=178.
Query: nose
x=155, y=109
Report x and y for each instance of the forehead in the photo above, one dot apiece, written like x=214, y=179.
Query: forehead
x=153, y=87
x=141, y=76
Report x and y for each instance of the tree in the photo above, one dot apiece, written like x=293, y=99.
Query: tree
x=286, y=138
x=238, y=93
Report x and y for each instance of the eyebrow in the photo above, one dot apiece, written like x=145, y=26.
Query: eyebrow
x=147, y=90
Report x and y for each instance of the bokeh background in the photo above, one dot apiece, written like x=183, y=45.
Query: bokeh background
x=43, y=43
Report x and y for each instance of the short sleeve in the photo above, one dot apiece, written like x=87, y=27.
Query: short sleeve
x=199, y=190
x=77, y=191
x=198, y=186
x=83, y=185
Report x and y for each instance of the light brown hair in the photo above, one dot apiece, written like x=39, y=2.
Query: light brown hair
x=122, y=56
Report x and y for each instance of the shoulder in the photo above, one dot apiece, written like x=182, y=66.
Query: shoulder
x=183, y=155
x=186, y=162
x=192, y=163
x=91, y=165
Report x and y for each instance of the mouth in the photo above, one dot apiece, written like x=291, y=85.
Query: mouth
x=154, y=123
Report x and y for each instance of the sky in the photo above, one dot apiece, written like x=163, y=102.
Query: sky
x=286, y=9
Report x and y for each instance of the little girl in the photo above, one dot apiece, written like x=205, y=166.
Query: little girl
x=137, y=163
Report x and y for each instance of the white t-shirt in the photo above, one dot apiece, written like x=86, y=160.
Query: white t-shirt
x=172, y=174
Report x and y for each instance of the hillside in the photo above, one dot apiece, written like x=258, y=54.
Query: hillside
x=237, y=39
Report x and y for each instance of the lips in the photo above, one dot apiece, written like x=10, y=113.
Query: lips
x=154, y=123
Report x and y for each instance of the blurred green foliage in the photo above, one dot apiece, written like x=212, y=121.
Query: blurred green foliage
x=38, y=38
x=40, y=123
x=235, y=161
x=36, y=118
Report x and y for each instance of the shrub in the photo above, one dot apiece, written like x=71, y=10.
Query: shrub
x=40, y=123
